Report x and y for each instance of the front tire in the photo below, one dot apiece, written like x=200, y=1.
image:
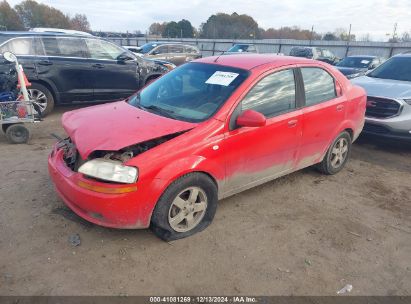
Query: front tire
x=337, y=155
x=186, y=207
x=41, y=96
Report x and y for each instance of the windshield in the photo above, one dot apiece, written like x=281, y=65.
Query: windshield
x=192, y=92
x=239, y=48
x=396, y=68
x=355, y=62
x=147, y=47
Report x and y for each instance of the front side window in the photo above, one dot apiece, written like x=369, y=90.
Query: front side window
x=318, y=84
x=273, y=95
x=100, y=49
x=193, y=92
x=160, y=50
x=19, y=46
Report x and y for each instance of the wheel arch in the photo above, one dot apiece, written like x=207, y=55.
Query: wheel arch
x=53, y=90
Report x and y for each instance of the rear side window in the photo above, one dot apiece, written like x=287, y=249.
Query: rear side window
x=64, y=47
x=19, y=46
x=319, y=85
x=273, y=95
x=175, y=49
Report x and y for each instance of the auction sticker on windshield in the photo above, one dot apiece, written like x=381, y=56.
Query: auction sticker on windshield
x=222, y=78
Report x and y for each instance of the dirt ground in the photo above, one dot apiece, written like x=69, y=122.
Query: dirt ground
x=304, y=234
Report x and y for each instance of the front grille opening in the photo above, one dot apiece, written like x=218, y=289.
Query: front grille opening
x=382, y=107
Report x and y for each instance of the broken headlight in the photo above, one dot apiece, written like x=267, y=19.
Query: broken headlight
x=109, y=170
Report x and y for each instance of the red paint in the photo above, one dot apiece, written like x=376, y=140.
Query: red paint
x=116, y=125
x=250, y=118
x=234, y=158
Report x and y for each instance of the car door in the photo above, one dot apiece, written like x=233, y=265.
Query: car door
x=256, y=155
x=323, y=113
x=176, y=54
x=112, y=77
x=64, y=66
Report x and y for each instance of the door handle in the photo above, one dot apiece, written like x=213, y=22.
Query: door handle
x=292, y=123
x=340, y=107
x=98, y=66
x=45, y=62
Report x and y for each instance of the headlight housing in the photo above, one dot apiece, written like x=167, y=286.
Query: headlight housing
x=408, y=100
x=109, y=170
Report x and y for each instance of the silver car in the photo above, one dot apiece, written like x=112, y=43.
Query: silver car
x=388, y=89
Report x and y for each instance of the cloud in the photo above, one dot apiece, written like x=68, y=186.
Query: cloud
x=376, y=17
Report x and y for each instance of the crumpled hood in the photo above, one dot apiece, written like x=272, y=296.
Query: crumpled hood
x=384, y=87
x=350, y=71
x=113, y=126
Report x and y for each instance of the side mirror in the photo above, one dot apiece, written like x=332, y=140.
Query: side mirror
x=251, y=118
x=125, y=57
x=10, y=57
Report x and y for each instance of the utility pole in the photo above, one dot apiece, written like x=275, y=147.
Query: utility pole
x=394, y=34
x=312, y=34
x=348, y=41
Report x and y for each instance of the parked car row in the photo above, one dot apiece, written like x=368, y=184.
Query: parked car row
x=65, y=68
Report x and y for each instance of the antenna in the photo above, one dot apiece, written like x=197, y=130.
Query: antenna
x=215, y=60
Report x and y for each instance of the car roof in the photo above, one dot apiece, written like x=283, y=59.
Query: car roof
x=362, y=56
x=250, y=61
x=162, y=42
x=13, y=34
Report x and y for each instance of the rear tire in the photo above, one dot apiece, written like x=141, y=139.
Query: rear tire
x=186, y=207
x=337, y=155
x=17, y=134
x=42, y=96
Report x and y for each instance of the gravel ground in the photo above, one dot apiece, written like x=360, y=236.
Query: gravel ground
x=303, y=234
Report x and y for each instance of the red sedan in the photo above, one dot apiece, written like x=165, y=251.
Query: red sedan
x=204, y=131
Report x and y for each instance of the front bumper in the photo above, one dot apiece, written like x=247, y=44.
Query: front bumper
x=126, y=210
x=385, y=131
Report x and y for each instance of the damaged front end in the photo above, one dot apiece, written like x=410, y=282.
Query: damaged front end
x=109, y=166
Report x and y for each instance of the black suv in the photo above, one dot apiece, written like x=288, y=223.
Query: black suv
x=66, y=68
x=315, y=53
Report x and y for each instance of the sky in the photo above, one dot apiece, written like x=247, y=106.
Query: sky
x=376, y=17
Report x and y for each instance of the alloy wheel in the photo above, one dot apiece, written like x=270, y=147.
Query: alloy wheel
x=339, y=153
x=187, y=209
x=39, y=98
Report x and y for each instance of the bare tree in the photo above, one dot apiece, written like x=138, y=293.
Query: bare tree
x=80, y=23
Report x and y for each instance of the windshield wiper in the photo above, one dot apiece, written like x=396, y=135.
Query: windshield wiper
x=156, y=109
